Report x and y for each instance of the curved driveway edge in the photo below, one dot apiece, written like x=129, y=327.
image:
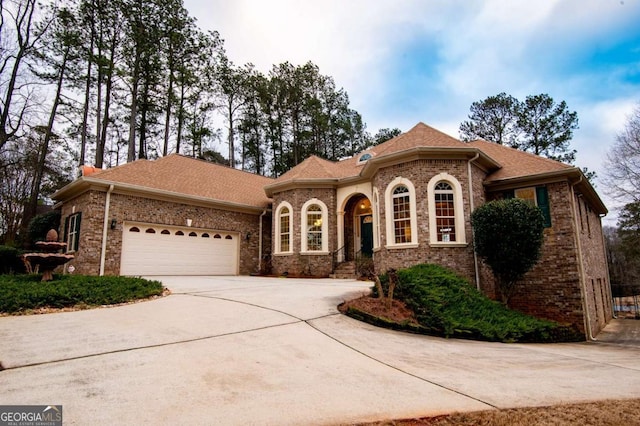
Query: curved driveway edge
x=247, y=350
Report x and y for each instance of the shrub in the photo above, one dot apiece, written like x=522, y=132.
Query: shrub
x=24, y=292
x=10, y=262
x=508, y=235
x=446, y=304
x=42, y=223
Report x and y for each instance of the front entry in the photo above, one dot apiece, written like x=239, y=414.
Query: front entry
x=357, y=228
x=366, y=235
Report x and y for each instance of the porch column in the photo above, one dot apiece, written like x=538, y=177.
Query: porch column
x=340, y=239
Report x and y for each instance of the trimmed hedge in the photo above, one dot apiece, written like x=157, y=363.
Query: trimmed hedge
x=447, y=305
x=20, y=293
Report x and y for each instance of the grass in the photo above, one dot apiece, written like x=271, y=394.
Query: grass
x=25, y=293
x=446, y=304
x=601, y=413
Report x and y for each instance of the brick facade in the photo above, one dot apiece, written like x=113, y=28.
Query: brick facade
x=135, y=208
x=420, y=172
x=297, y=263
x=570, y=282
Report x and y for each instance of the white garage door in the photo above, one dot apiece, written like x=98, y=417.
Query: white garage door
x=170, y=250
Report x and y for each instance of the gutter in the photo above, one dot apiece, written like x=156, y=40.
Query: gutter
x=88, y=183
x=105, y=224
x=583, y=286
x=471, y=209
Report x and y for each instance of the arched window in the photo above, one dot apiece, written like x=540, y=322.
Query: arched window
x=445, y=212
x=205, y=235
x=150, y=231
x=446, y=219
x=193, y=234
x=364, y=158
x=228, y=237
x=217, y=236
x=283, y=225
x=314, y=227
x=134, y=229
x=179, y=233
x=401, y=215
x=165, y=232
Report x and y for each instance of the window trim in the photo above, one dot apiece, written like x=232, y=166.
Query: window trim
x=413, y=219
x=278, y=245
x=324, y=227
x=458, y=206
x=375, y=209
x=541, y=200
x=72, y=231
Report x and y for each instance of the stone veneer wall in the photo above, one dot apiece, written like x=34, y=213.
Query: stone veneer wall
x=297, y=264
x=133, y=208
x=419, y=172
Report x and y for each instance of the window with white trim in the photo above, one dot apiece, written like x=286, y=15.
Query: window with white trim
x=400, y=213
x=314, y=227
x=72, y=236
x=283, y=228
x=445, y=212
x=446, y=216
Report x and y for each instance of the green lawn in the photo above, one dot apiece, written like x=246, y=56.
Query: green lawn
x=23, y=293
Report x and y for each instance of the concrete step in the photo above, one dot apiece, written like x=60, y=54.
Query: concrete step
x=345, y=270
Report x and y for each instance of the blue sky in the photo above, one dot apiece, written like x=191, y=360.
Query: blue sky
x=406, y=61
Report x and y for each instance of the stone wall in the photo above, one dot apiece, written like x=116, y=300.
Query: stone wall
x=138, y=209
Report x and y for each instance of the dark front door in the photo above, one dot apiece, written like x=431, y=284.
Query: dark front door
x=366, y=235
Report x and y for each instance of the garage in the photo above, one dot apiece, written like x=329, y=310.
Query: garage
x=170, y=250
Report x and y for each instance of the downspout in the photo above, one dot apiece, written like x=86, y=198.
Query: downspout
x=260, y=243
x=473, y=234
x=105, y=225
x=583, y=286
x=606, y=256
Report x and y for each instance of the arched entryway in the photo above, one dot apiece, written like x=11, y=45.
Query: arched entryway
x=358, y=227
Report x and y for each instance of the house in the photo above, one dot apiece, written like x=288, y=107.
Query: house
x=403, y=202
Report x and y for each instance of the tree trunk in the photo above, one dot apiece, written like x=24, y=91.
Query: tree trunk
x=32, y=207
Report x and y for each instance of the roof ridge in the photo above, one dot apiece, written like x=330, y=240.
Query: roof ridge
x=213, y=164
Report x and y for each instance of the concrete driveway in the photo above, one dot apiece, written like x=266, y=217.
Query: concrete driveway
x=245, y=350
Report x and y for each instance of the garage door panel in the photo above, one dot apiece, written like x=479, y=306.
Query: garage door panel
x=174, y=254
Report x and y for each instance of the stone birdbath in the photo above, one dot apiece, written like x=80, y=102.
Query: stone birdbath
x=49, y=258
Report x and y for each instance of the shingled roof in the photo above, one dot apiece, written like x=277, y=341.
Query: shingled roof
x=420, y=135
x=516, y=163
x=182, y=175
